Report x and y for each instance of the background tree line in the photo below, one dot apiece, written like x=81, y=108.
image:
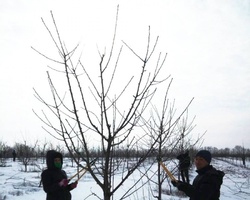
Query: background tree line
x=26, y=152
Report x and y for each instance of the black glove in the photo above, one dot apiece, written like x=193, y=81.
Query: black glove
x=179, y=184
x=174, y=183
x=158, y=158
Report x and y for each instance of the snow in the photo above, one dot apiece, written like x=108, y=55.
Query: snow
x=17, y=184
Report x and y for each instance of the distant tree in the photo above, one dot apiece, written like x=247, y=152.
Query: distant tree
x=241, y=153
x=3, y=152
x=225, y=152
x=25, y=153
x=185, y=129
x=43, y=147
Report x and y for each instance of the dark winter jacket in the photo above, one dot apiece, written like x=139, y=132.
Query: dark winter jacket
x=51, y=178
x=184, y=161
x=206, y=185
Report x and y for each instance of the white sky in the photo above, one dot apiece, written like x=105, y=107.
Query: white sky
x=208, y=46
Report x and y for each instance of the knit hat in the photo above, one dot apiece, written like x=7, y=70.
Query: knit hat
x=205, y=154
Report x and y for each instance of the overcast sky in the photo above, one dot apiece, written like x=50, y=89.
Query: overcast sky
x=207, y=41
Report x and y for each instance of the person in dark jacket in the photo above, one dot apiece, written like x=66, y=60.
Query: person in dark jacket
x=14, y=155
x=184, y=164
x=206, y=185
x=54, y=179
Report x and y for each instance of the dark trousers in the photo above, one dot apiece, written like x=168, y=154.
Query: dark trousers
x=185, y=175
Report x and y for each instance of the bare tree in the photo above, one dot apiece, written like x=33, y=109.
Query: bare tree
x=25, y=153
x=3, y=153
x=43, y=150
x=240, y=151
x=172, y=131
x=164, y=127
x=101, y=108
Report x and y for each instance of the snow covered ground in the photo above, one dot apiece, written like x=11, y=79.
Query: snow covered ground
x=18, y=185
